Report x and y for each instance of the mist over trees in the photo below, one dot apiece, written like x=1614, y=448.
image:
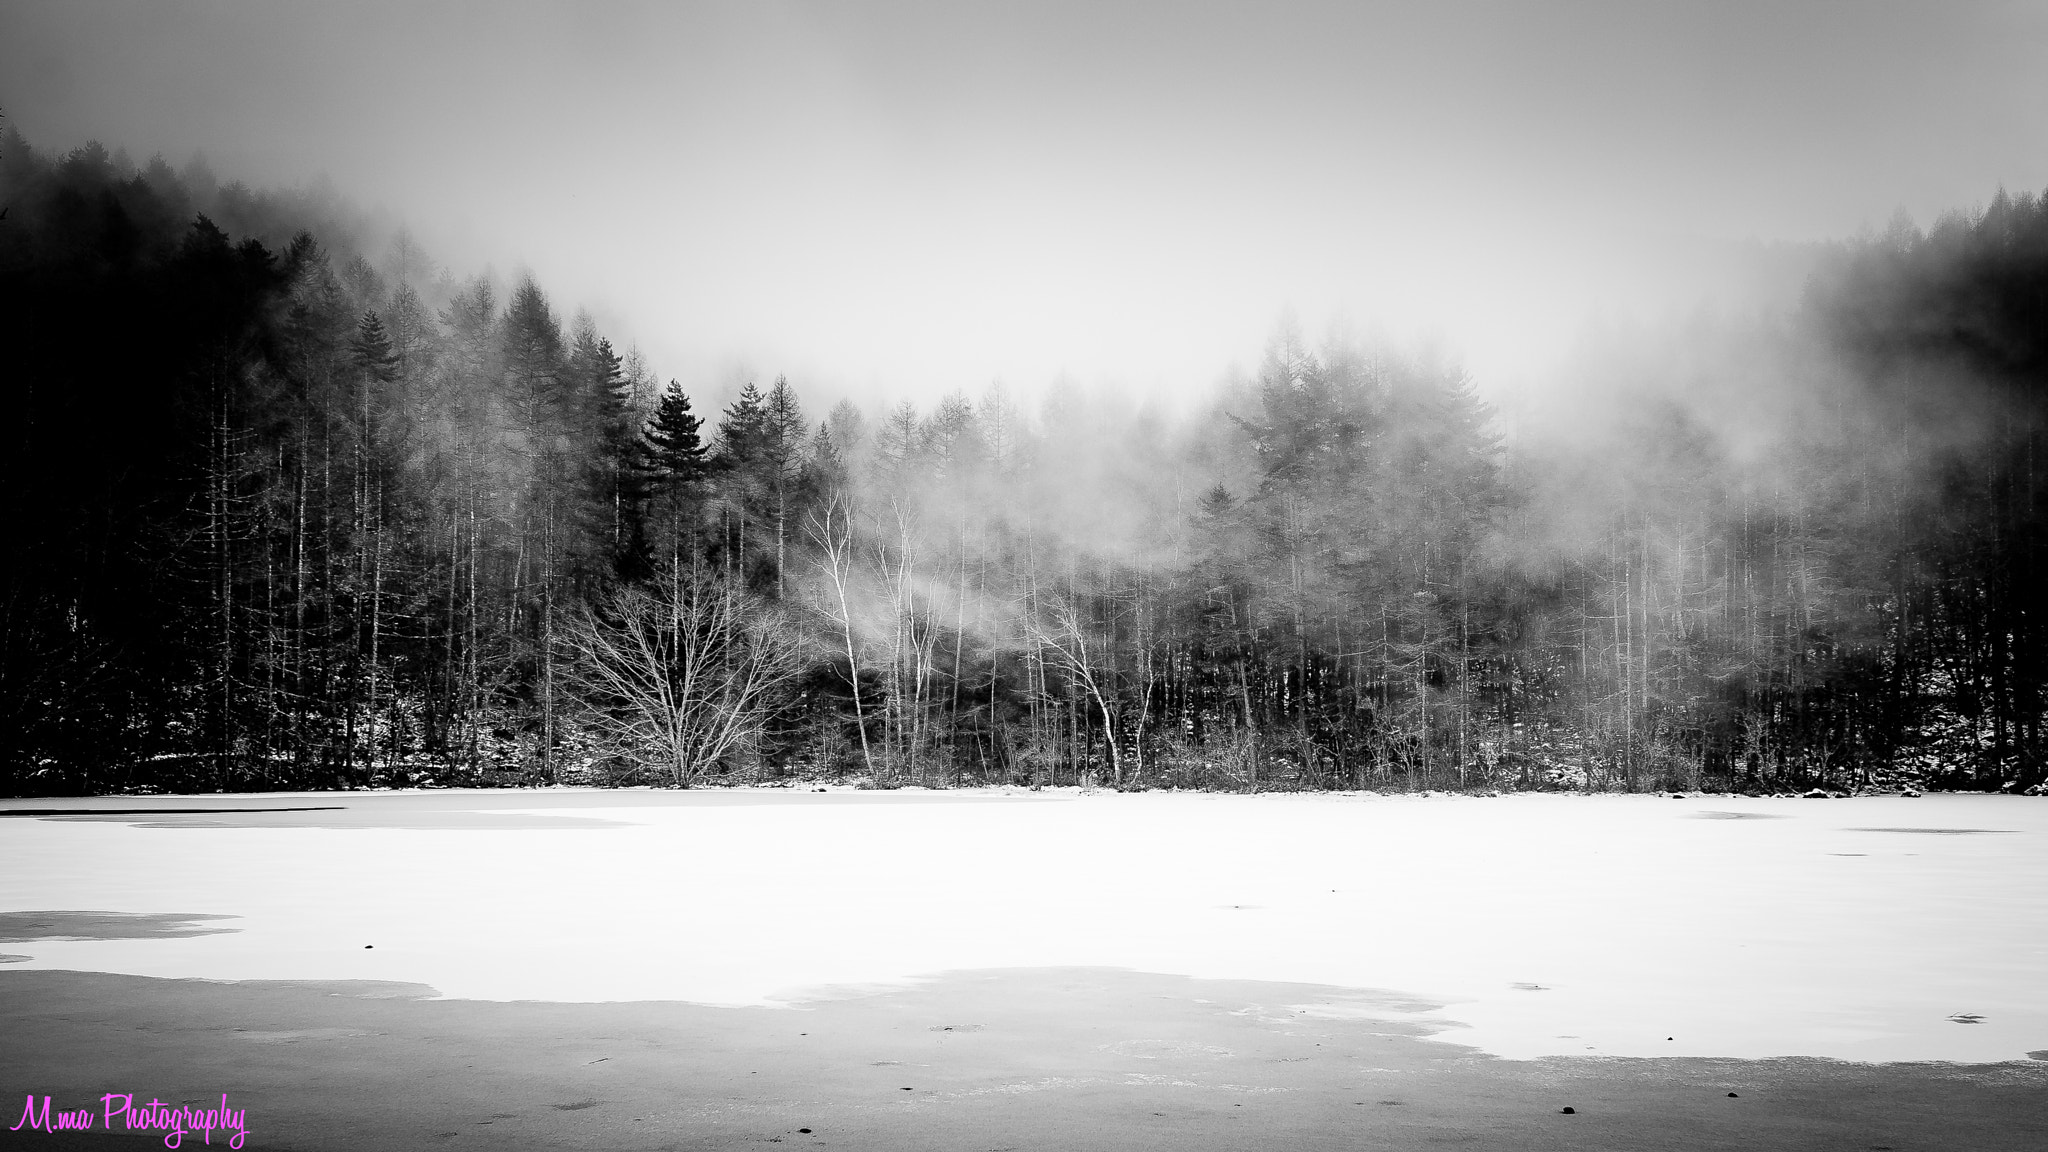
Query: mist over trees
x=282, y=513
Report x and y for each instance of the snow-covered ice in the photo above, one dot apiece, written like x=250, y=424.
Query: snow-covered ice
x=1543, y=925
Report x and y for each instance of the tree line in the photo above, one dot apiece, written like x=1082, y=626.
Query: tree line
x=282, y=512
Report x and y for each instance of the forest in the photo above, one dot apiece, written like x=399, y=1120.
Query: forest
x=289, y=509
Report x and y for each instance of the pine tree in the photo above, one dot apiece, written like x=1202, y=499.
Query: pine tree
x=608, y=448
x=742, y=430
x=745, y=492
x=674, y=463
x=371, y=349
x=600, y=382
x=674, y=449
x=825, y=470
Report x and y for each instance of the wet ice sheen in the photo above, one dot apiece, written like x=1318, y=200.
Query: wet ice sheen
x=1837, y=929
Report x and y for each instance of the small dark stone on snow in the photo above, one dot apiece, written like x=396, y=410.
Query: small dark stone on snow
x=1731, y=1095
x=1568, y=1111
x=367, y=947
x=806, y=1131
x=906, y=1089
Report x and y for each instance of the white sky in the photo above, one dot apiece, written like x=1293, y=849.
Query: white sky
x=904, y=199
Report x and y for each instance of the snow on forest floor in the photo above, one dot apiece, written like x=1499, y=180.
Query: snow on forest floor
x=1877, y=929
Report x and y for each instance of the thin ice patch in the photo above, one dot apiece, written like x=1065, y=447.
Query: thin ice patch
x=21, y=927
x=1946, y=831
x=118, y=814
x=1164, y=1049
x=1041, y=1085
x=293, y=1036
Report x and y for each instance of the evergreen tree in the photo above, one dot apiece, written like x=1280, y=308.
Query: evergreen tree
x=743, y=431
x=826, y=467
x=675, y=463
x=609, y=449
x=371, y=350
x=674, y=450
x=742, y=467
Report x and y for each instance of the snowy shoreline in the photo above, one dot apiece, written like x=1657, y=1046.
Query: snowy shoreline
x=862, y=788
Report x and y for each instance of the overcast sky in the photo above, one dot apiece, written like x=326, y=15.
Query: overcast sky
x=903, y=199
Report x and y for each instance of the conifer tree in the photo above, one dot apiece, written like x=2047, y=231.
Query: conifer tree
x=371, y=349
x=745, y=493
x=674, y=462
x=742, y=429
x=608, y=447
x=674, y=447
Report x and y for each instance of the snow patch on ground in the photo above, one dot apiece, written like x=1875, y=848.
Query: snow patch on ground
x=1523, y=926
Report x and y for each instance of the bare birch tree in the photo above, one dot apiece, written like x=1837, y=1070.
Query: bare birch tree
x=686, y=670
x=833, y=535
x=1065, y=639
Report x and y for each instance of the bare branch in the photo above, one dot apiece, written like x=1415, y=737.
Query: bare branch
x=688, y=670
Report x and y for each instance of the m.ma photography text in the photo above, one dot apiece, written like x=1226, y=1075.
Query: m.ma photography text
x=118, y=1112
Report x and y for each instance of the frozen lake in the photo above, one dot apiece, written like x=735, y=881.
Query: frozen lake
x=1873, y=929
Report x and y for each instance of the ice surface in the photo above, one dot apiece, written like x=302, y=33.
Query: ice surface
x=1541, y=925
